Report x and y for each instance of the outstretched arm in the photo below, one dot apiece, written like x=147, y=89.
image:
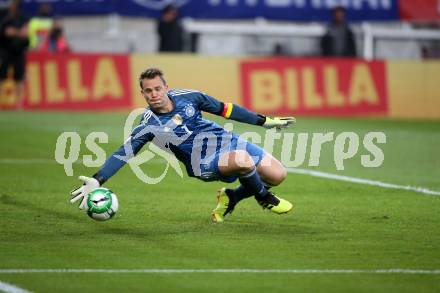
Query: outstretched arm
x=115, y=162
x=241, y=114
x=119, y=158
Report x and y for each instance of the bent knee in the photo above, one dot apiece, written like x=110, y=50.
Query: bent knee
x=244, y=161
x=280, y=175
x=276, y=177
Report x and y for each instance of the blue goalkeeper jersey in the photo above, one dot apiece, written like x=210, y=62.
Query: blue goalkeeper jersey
x=183, y=132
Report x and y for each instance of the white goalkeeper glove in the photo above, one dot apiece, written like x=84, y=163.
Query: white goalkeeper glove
x=81, y=192
x=278, y=122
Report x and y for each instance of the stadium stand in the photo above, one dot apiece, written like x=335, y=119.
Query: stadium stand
x=253, y=28
x=255, y=37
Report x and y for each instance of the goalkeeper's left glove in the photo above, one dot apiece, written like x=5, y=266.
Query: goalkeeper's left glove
x=81, y=192
x=278, y=122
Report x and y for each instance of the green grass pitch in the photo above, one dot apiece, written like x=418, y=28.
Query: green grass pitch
x=335, y=224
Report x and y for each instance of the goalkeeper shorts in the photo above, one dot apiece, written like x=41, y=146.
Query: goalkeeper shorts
x=209, y=170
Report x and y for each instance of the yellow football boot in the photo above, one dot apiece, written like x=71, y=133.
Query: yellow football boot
x=224, y=206
x=275, y=204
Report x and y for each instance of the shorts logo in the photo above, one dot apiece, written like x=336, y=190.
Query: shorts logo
x=189, y=110
x=208, y=176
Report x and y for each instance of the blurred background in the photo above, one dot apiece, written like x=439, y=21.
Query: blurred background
x=304, y=57
x=348, y=68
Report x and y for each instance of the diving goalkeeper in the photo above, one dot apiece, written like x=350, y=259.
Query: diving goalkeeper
x=174, y=121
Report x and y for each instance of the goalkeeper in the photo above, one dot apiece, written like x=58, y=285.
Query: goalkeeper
x=177, y=114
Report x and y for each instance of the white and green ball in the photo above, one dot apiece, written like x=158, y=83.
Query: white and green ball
x=102, y=204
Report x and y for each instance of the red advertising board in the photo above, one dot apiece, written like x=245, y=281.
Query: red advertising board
x=419, y=10
x=77, y=82
x=286, y=86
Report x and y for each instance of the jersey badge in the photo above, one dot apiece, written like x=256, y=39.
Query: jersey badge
x=189, y=110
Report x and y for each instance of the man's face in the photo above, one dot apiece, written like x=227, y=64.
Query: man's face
x=155, y=93
x=339, y=16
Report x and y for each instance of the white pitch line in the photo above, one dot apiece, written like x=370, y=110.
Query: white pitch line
x=9, y=288
x=227, y=271
x=17, y=161
x=290, y=170
x=27, y=161
x=362, y=181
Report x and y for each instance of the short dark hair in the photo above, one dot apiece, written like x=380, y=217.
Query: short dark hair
x=168, y=8
x=339, y=8
x=151, y=73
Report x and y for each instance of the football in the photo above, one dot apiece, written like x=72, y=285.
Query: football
x=102, y=204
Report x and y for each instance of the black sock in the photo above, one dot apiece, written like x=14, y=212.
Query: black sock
x=239, y=193
x=253, y=184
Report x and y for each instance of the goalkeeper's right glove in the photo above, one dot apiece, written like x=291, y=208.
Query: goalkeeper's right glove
x=81, y=192
x=278, y=122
